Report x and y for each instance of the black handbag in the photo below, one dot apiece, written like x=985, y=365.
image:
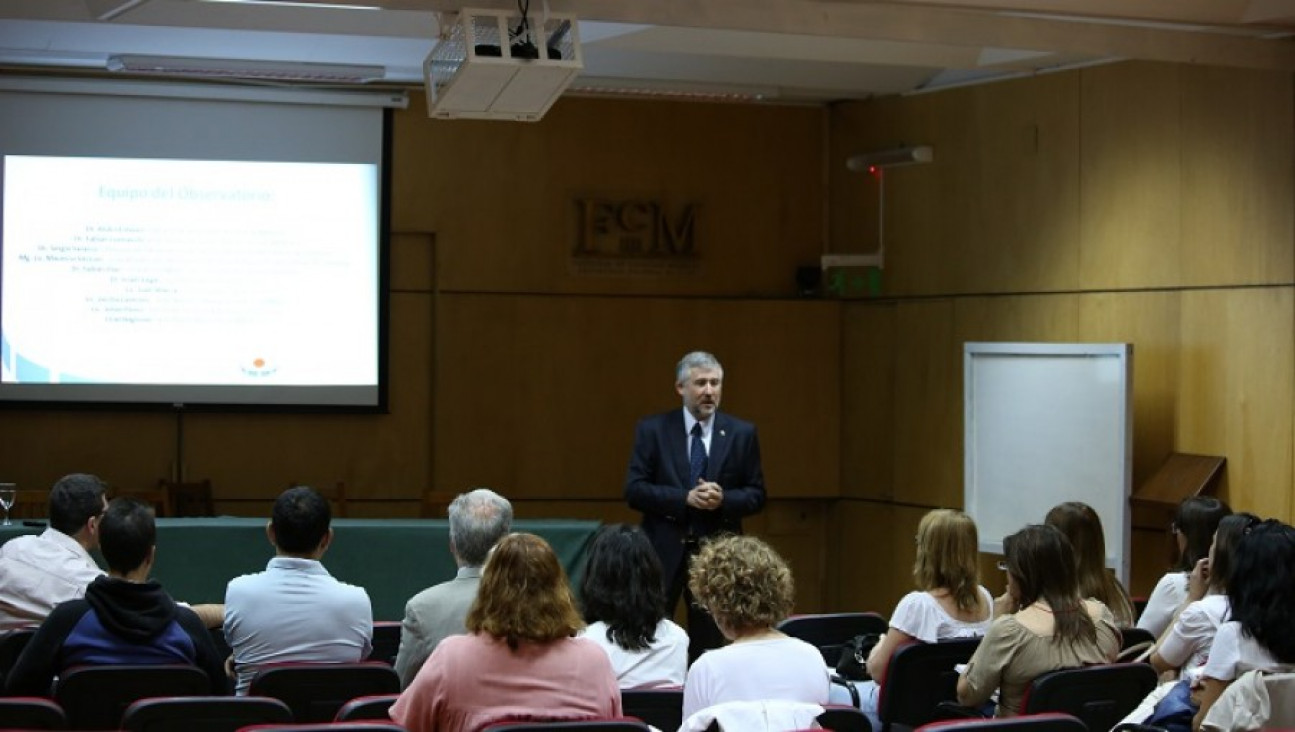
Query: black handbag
x=853, y=664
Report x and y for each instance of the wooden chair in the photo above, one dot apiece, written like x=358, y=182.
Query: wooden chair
x=30, y=712
x=829, y=632
x=29, y=505
x=95, y=697
x=203, y=713
x=336, y=496
x=316, y=691
x=189, y=498
x=158, y=498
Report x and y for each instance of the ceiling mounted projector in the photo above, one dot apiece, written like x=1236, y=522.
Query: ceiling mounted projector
x=908, y=155
x=496, y=64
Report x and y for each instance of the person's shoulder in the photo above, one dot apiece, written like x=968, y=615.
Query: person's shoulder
x=733, y=422
x=668, y=629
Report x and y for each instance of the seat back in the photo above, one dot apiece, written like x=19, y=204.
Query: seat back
x=29, y=712
x=661, y=708
x=616, y=724
x=327, y=727
x=316, y=691
x=10, y=648
x=203, y=713
x=839, y=718
x=1099, y=696
x=374, y=707
x=95, y=697
x=386, y=641
x=1046, y=722
x=831, y=631
x=919, y=677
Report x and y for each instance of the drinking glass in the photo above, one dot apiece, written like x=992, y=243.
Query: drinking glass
x=8, y=491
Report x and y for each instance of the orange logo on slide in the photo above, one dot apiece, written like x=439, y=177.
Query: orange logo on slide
x=258, y=367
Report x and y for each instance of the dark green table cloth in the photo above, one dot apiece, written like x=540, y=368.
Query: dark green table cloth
x=391, y=558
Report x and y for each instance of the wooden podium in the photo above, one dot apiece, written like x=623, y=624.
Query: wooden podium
x=1182, y=475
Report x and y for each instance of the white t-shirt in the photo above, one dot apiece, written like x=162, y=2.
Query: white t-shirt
x=1187, y=645
x=662, y=664
x=1170, y=592
x=784, y=669
x=1234, y=653
x=919, y=614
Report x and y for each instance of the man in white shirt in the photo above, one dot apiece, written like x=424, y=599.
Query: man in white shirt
x=40, y=571
x=295, y=610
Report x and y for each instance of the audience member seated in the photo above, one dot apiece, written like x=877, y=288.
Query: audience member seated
x=624, y=603
x=123, y=619
x=478, y=519
x=949, y=602
x=1193, y=529
x=1055, y=628
x=1260, y=631
x=519, y=660
x=39, y=572
x=1182, y=651
x=747, y=588
x=295, y=610
x=1083, y=527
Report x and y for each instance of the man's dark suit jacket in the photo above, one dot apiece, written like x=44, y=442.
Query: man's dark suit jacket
x=658, y=475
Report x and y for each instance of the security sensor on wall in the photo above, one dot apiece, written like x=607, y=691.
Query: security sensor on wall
x=908, y=155
x=874, y=162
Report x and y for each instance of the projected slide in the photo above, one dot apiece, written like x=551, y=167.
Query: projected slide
x=142, y=271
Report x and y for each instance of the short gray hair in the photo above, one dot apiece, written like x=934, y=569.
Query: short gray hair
x=695, y=360
x=478, y=519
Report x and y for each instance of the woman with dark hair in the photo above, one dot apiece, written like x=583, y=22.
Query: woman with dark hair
x=1260, y=632
x=1055, y=627
x=519, y=660
x=1083, y=527
x=624, y=604
x=1185, y=646
x=1193, y=529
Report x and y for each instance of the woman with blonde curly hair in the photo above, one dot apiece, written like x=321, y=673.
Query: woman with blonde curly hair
x=949, y=601
x=519, y=660
x=747, y=588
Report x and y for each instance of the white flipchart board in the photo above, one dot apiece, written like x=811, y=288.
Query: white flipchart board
x=1048, y=423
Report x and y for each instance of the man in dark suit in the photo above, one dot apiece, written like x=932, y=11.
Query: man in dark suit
x=694, y=473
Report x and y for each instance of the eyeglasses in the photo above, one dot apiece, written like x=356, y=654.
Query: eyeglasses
x=1002, y=566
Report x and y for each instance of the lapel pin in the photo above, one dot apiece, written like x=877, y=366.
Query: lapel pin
x=722, y=433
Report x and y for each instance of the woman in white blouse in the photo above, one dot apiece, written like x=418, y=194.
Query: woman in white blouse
x=949, y=602
x=1193, y=528
x=623, y=601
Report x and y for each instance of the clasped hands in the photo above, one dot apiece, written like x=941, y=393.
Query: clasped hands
x=706, y=496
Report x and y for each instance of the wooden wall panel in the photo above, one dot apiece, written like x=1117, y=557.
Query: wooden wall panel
x=129, y=450
x=1237, y=391
x=1237, y=179
x=928, y=411
x=538, y=396
x=1131, y=176
x=501, y=197
x=255, y=456
x=1150, y=321
x=868, y=372
x=998, y=210
x=873, y=554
